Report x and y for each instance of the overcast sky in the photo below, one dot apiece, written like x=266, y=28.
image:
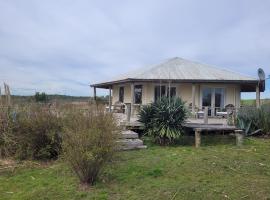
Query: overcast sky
x=63, y=46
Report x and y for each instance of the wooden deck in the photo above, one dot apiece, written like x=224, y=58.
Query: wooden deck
x=196, y=125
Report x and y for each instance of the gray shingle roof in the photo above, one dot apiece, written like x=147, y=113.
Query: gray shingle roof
x=182, y=69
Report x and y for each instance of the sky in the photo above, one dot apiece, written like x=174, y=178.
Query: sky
x=63, y=46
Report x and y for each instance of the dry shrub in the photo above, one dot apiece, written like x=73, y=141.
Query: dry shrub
x=7, y=141
x=30, y=132
x=89, y=142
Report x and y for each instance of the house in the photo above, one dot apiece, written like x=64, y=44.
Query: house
x=200, y=85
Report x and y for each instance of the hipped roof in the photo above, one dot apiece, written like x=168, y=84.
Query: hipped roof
x=180, y=70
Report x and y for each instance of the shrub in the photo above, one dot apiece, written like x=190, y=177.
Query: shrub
x=31, y=132
x=89, y=142
x=251, y=119
x=7, y=142
x=164, y=119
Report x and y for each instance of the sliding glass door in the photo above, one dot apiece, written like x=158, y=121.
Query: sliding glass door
x=207, y=99
x=213, y=98
x=219, y=98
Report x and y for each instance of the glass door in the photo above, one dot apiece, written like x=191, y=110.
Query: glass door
x=207, y=99
x=219, y=99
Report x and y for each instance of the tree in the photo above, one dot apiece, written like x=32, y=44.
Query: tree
x=41, y=97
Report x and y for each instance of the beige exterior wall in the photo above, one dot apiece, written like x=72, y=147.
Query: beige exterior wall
x=183, y=90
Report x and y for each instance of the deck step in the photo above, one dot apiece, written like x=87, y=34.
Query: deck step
x=128, y=144
x=129, y=135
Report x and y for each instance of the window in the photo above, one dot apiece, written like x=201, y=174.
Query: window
x=172, y=92
x=160, y=91
x=121, y=94
x=138, y=94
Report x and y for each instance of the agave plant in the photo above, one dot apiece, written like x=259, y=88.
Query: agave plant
x=164, y=119
x=252, y=119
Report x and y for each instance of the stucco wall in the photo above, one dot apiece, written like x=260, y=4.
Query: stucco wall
x=184, y=90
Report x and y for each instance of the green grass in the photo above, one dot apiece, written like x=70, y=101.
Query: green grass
x=252, y=102
x=214, y=171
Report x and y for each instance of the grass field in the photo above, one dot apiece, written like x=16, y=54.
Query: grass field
x=214, y=171
x=252, y=102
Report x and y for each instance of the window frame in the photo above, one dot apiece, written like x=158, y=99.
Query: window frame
x=121, y=97
x=141, y=93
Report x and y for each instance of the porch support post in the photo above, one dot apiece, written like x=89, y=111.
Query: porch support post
x=205, y=115
x=239, y=136
x=258, y=96
x=132, y=98
x=95, y=93
x=110, y=99
x=197, y=137
x=193, y=98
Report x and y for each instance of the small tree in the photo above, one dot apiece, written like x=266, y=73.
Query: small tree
x=41, y=97
x=89, y=142
x=164, y=119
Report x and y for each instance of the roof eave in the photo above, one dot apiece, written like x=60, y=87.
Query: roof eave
x=107, y=85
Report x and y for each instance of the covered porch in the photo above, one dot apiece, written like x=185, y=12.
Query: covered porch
x=215, y=97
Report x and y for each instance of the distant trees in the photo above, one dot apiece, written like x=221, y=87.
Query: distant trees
x=41, y=97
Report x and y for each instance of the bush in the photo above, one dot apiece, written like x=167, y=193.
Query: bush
x=31, y=132
x=251, y=119
x=164, y=119
x=89, y=142
x=7, y=142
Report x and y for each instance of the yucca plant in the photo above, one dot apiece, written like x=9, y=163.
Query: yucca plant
x=164, y=119
x=252, y=119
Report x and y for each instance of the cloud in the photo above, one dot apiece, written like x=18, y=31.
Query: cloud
x=63, y=46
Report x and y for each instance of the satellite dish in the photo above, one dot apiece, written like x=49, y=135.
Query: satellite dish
x=261, y=74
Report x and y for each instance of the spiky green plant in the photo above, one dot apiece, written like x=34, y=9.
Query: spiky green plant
x=252, y=119
x=164, y=119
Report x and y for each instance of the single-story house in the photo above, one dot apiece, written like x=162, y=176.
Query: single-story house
x=200, y=85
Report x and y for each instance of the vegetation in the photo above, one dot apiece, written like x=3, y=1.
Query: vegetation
x=164, y=119
x=252, y=119
x=252, y=102
x=41, y=97
x=89, y=142
x=219, y=171
x=30, y=132
x=37, y=131
x=51, y=98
